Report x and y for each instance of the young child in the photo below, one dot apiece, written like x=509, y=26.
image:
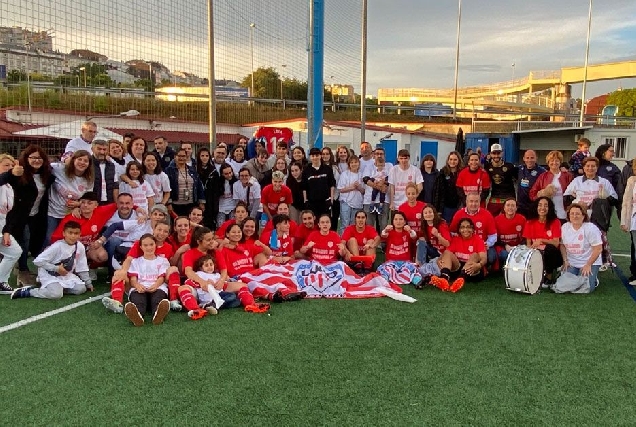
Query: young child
x=209, y=299
x=62, y=268
x=377, y=205
x=576, y=161
x=148, y=290
x=134, y=184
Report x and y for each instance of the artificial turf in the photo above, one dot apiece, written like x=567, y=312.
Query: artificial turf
x=483, y=356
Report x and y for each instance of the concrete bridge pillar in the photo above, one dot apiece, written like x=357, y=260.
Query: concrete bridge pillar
x=563, y=94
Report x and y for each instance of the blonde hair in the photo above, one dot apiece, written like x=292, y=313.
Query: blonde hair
x=5, y=156
x=554, y=154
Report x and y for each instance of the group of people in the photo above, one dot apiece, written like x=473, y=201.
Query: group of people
x=177, y=232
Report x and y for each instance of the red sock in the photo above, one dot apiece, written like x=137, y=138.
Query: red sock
x=174, y=281
x=117, y=291
x=188, y=300
x=245, y=297
x=261, y=293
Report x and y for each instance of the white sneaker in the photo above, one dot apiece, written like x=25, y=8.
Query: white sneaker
x=633, y=282
x=113, y=305
x=92, y=274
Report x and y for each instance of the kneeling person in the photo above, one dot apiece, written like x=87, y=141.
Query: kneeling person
x=62, y=268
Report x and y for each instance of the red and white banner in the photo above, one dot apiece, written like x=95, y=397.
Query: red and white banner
x=336, y=280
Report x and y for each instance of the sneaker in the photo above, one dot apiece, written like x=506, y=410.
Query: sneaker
x=133, y=314
x=23, y=292
x=113, y=305
x=161, y=312
x=380, y=209
x=25, y=278
x=175, y=305
x=295, y=296
x=5, y=289
x=197, y=314
x=440, y=282
x=211, y=308
x=92, y=274
x=257, y=308
x=374, y=209
x=457, y=285
x=632, y=282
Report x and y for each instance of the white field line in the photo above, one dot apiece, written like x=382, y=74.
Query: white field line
x=37, y=317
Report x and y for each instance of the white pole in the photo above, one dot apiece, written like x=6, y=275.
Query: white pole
x=211, y=78
x=459, y=24
x=363, y=71
x=252, y=26
x=587, y=55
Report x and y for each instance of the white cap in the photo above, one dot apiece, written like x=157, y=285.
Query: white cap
x=496, y=147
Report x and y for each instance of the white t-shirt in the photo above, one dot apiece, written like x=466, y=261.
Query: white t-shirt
x=368, y=164
x=236, y=166
x=226, y=202
x=578, y=243
x=160, y=184
x=74, y=145
x=240, y=193
x=135, y=231
x=399, y=178
x=148, y=271
x=65, y=188
x=41, y=189
x=52, y=256
x=122, y=234
x=590, y=189
x=6, y=203
x=140, y=194
x=128, y=158
x=378, y=175
x=352, y=198
x=558, y=197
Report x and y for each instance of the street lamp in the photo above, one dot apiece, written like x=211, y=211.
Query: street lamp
x=84, y=70
x=513, y=73
x=281, y=81
x=252, y=26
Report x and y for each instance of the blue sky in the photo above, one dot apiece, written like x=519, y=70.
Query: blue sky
x=411, y=43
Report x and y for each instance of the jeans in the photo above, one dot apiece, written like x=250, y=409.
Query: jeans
x=347, y=216
x=10, y=255
x=632, y=264
x=491, y=255
x=425, y=252
x=593, y=275
x=110, y=246
x=51, y=225
x=503, y=256
x=375, y=220
x=448, y=214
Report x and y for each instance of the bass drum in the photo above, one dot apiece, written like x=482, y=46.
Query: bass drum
x=524, y=270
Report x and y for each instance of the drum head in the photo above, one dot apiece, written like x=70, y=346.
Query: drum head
x=524, y=270
x=535, y=270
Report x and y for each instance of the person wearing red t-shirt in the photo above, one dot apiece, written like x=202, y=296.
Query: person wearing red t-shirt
x=119, y=283
x=473, y=179
x=412, y=209
x=483, y=222
x=305, y=228
x=543, y=232
x=398, y=267
x=273, y=194
x=253, y=245
x=510, y=225
x=435, y=236
x=281, y=209
x=463, y=260
x=180, y=239
x=323, y=245
x=240, y=213
x=279, y=240
x=361, y=241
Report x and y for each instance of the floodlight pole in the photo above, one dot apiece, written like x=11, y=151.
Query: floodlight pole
x=459, y=26
x=363, y=72
x=211, y=79
x=587, y=55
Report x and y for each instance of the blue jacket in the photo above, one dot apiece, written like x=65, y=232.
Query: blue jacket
x=198, y=194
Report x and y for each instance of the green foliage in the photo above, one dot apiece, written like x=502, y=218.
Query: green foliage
x=16, y=76
x=625, y=100
x=266, y=83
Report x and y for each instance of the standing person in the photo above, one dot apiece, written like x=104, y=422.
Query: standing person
x=226, y=199
x=399, y=176
x=71, y=181
x=133, y=183
x=148, y=290
x=215, y=188
x=9, y=248
x=62, y=268
x=164, y=153
x=543, y=232
x=116, y=153
x=31, y=180
x=299, y=156
x=187, y=147
x=106, y=184
x=258, y=165
x=553, y=183
x=473, y=179
x=157, y=179
x=367, y=158
x=186, y=186
x=342, y=159
x=375, y=201
x=628, y=219
x=351, y=193
x=294, y=182
x=510, y=226
x=529, y=172
x=280, y=165
x=502, y=178
x=609, y=171
x=248, y=191
x=281, y=153
x=319, y=185
x=136, y=150
x=429, y=177
x=237, y=159
x=328, y=159
x=445, y=197
x=82, y=142
x=204, y=165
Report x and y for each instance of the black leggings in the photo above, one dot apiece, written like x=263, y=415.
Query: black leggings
x=147, y=302
x=552, y=258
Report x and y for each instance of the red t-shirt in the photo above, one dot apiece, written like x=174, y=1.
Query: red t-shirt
x=250, y=245
x=510, y=230
x=413, y=215
x=293, y=227
x=464, y=248
x=236, y=261
x=301, y=235
x=397, y=246
x=536, y=230
x=367, y=235
x=325, y=248
x=175, y=242
x=284, y=247
x=483, y=220
x=473, y=182
x=191, y=256
x=444, y=231
x=164, y=250
x=271, y=198
x=89, y=227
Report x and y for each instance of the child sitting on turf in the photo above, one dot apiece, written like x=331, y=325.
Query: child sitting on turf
x=147, y=281
x=62, y=268
x=209, y=298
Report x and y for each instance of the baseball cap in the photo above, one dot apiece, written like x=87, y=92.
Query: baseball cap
x=496, y=147
x=161, y=208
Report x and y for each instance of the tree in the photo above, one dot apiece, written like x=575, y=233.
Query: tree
x=266, y=83
x=625, y=100
x=16, y=76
